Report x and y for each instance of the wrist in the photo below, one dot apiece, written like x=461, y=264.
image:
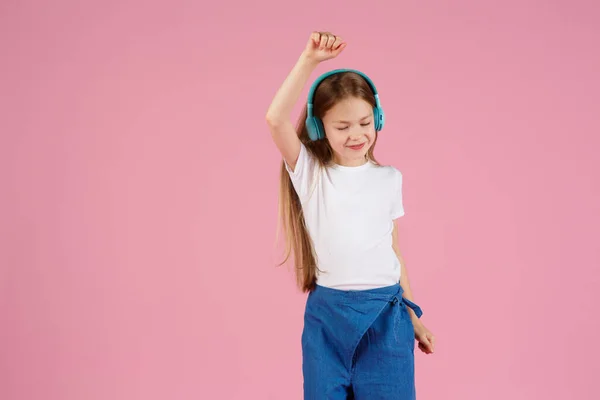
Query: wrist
x=306, y=60
x=415, y=320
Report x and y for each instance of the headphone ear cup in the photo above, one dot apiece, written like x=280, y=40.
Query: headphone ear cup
x=314, y=127
x=379, y=118
x=311, y=128
x=320, y=128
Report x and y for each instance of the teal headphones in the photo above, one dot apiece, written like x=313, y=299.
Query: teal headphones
x=314, y=125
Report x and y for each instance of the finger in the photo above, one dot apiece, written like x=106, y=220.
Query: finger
x=337, y=42
x=323, y=41
x=431, y=339
x=428, y=348
x=431, y=343
x=424, y=348
x=315, y=37
x=339, y=49
x=330, y=41
x=426, y=345
x=426, y=342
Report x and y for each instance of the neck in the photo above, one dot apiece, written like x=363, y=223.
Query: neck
x=350, y=163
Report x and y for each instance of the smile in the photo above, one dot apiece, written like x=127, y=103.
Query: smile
x=357, y=147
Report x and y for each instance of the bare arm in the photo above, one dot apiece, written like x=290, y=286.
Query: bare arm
x=279, y=113
x=422, y=334
x=404, y=281
x=321, y=46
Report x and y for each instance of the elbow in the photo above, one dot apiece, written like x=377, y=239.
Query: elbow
x=272, y=120
x=275, y=118
x=275, y=124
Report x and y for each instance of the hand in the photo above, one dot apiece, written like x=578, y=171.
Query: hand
x=323, y=46
x=425, y=338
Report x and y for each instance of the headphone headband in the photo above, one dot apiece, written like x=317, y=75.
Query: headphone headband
x=317, y=82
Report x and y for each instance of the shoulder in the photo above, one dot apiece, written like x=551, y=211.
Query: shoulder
x=389, y=172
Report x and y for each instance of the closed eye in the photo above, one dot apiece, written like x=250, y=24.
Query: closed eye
x=345, y=127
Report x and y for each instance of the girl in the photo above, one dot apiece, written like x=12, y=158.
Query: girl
x=339, y=208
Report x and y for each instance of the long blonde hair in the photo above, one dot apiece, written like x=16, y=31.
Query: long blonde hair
x=332, y=90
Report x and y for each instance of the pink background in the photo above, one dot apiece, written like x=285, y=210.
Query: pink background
x=139, y=193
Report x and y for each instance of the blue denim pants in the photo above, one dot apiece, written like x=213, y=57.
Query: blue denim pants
x=358, y=344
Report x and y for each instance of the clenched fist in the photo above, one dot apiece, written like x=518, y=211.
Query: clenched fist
x=323, y=46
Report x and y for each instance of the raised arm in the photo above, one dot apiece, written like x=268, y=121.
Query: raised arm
x=320, y=47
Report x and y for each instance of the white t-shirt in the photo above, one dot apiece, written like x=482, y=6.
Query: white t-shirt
x=349, y=214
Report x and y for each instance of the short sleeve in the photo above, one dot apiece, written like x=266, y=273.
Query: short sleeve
x=397, y=201
x=303, y=174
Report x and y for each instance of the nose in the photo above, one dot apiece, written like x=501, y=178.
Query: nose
x=358, y=131
x=356, y=135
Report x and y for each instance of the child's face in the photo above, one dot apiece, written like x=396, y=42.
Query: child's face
x=349, y=123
